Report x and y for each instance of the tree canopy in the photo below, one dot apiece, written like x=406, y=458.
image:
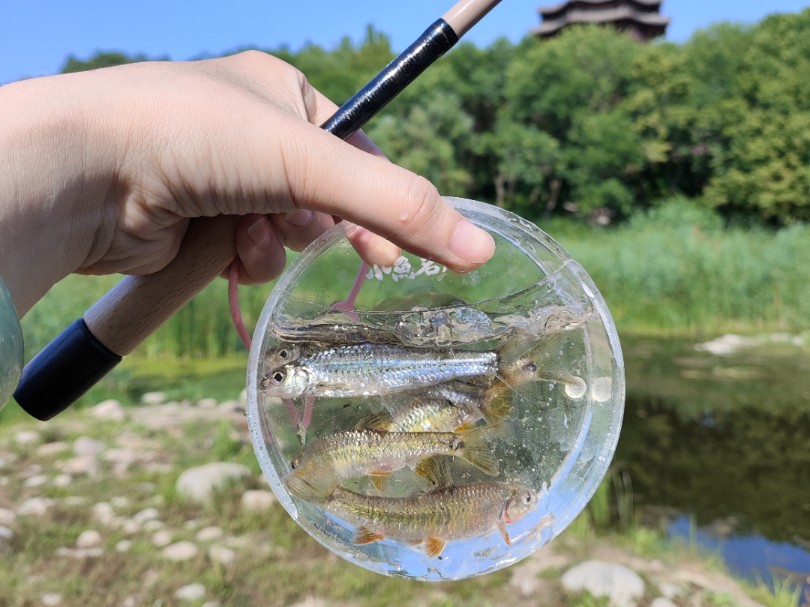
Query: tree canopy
x=593, y=124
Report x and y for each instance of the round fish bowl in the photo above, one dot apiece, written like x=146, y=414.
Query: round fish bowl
x=432, y=425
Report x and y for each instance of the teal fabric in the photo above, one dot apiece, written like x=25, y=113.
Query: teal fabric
x=11, y=346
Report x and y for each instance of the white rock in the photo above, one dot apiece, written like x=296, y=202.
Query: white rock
x=81, y=464
x=110, y=410
x=51, y=449
x=669, y=590
x=231, y=406
x=51, y=599
x=35, y=506
x=130, y=527
x=6, y=534
x=62, y=480
x=181, y=551
x=85, y=445
x=103, y=513
x=192, y=592
x=74, y=500
x=148, y=514
x=221, y=554
x=209, y=534
x=24, y=438
x=36, y=481
x=211, y=604
x=162, y=538
x=123, y=458
x=199, y=483
x=153, y=398
x=153, y=525
x=119, y=501
x=123, y=546
x=662, y=602
x=621, y=585
x=257, y=500
x=80, y=553
x=7, y=517
x=89, y=539
x=3, y=481
x=207, y=403
x=3, y=462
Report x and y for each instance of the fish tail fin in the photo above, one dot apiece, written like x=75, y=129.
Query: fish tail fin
x=434, y=546
x=302, y=488
x=476, y=450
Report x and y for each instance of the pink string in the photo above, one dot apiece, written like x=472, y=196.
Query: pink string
x=233, y=303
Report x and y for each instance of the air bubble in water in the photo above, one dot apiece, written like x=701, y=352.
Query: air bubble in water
x=575, y=388
x=601, y=389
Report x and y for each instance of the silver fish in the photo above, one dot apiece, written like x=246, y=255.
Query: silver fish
x=372, y=369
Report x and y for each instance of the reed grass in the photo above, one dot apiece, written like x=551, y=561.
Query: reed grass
x=674, y=270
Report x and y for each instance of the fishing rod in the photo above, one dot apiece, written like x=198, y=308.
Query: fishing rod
x=132, y=310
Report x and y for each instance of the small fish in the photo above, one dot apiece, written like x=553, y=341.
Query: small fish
x=432, y=519
x=372, y=369
x=425, y=414
x=355, y=453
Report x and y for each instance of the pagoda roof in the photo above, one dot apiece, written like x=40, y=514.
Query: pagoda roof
x=601, y=15
x=555, y=8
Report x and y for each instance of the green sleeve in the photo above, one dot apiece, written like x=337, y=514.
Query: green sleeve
x=11, y=346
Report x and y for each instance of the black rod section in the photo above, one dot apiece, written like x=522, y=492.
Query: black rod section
x=434, y=42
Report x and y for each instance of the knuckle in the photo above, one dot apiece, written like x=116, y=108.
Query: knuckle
x=420, y=209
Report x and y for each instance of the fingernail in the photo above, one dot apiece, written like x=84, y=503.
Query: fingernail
x=300, y=218
x=261, y=234
x=471, y=243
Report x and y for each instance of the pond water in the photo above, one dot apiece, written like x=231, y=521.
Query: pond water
x=716, y=439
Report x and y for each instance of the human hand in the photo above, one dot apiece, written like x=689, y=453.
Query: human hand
x=104, y=170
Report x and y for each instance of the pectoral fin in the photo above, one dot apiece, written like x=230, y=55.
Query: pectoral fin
x=504, y=533
x=379, y=478
x=367, y=536
x=436, y=471
x=434, y=546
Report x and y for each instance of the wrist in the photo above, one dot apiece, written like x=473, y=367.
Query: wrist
x=48, y=206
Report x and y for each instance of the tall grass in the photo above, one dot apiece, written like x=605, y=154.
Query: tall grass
x=675, y=269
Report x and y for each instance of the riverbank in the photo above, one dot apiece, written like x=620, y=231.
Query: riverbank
x=113, y=505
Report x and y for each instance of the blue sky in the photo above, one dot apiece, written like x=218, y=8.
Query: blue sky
x=36, y=36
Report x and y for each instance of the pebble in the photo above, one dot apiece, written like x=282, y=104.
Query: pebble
x=162, y=538
x=257, y=500
x=85, y=445
x=74, y=500
x=35, y=506
x=51, y=449
x=181, y=551
x=662, y=602
x=200, y=483
x=119, y=501
x=208, y=534
x=148, y=514
x=622, y=586
x=62, y=480
x=24, y=438
x=51, y=599
x=36, y=481
x=207, y=403
x=89, y=539
x=80, y=553
x=103, y=513
x=153, y=525
x=7, y=517
x=153, y=398
x=192, y=592
x=6, y=534
x=81, y=464
x=221, y=554
x=123, y=546
x=109, y=410
x=3, y=462
x=211, y=604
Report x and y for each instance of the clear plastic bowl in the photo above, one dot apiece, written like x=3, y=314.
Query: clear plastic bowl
x=556, y=435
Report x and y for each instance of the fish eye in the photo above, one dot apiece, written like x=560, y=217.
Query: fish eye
x=296, y=461
x=284, y=354
x=527, y=498
x=278, y=377
x=530, y=367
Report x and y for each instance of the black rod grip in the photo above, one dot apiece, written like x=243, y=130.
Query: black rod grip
x=72, y=364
